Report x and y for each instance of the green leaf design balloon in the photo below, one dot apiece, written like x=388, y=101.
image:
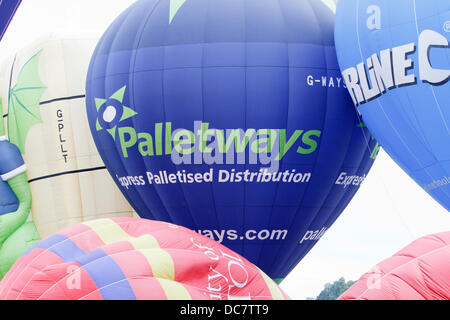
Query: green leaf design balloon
x=24, y=102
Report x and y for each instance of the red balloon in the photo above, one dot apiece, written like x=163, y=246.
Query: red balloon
x=420, y=271
x=130, y=259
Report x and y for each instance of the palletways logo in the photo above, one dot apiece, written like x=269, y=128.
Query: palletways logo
x=111, y=112
x=202, y=144
x=393, y=68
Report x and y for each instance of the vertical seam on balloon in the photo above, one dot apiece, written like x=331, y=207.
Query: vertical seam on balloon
x=244, y=207
x=286, y=43
x=382, y=109
x=417, y=131
x=55, y=217
x=324, y=120
x=348, y=195
x=319, y=211
x=432, y=88
x=104, y=88
x=9, y=92
x=163, y=71
x=76, y=177
x=295, y=245
x=381, y=106
x=378, y=102
x=139, y=36
x=102, y=43
x=339, y=208
x=360, y=50
x=292, y=259
x=189, y=209
x=443, y=190
x=203, y=102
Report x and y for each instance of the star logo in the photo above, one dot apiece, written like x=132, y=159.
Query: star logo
x=111, y=112
x=175, y=5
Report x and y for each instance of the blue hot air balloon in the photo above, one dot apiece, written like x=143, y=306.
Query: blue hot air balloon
x=230, y=118
x=395, y=60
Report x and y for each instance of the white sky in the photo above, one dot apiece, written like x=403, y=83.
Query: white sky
x=388, y=212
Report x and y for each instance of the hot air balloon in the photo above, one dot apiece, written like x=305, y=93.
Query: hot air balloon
x=230, y=118
x=42, y=89
x=7, y=11
x=420, y=271
x=133, y=258
x=395, y=60
x=17, y=234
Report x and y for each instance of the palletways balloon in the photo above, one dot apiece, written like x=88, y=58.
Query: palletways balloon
x=395, y=59
x=230, y=118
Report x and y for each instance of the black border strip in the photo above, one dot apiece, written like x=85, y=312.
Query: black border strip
x=81, y=96
x=64, y=98
x=65, y=173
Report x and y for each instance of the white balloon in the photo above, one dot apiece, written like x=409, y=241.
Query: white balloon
x=68, y=179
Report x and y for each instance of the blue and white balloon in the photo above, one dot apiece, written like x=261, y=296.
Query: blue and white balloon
x=395, y=60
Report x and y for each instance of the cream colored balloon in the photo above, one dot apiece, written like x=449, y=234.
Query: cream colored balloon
x=68, y=179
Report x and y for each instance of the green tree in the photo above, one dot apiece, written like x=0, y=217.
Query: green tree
x=333, y=290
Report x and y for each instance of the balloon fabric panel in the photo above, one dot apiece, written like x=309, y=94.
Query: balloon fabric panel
x=394, y=56
x=230, y=118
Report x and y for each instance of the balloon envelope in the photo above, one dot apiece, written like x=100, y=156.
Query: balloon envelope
x=395, y=59
x=42, y=89
x=7, y=11
x=230, y=118
x=421, y=271
x=132, y=258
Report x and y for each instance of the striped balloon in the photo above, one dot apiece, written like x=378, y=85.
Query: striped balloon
x=132, y=258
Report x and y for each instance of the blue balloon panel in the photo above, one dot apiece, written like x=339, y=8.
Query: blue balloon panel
x=7, y=10
x=230, y=118
x=395, y=60
x=10, y=165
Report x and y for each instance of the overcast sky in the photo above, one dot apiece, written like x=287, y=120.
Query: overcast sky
x=388, y=212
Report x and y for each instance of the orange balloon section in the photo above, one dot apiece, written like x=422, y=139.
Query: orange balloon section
x=132, y=258
x=420, y=271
